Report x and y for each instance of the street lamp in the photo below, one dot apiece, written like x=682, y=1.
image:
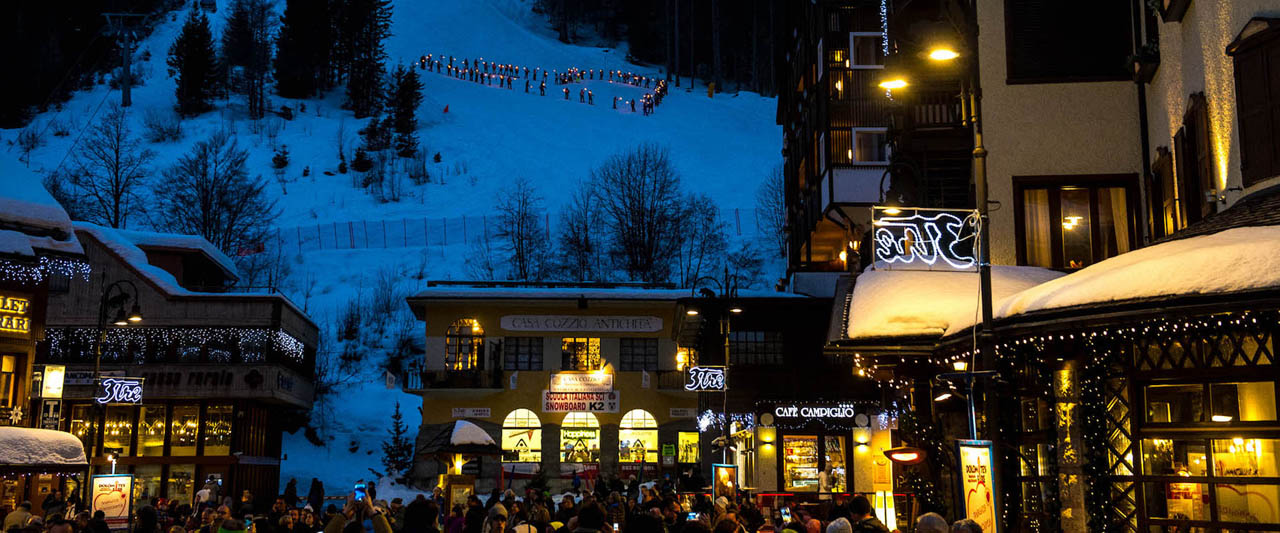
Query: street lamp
x=729, y=289
x=971, y=114
x=114, y=301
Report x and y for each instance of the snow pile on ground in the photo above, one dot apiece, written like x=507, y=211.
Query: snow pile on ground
x=1233, y=260
x=468, y=433
x=31, y=446
x=919, y=303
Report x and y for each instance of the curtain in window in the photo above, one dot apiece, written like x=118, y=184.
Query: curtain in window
x=1038, y=226
x=1120, y=218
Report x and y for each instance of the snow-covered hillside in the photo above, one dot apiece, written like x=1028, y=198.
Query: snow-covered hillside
x=489, y=137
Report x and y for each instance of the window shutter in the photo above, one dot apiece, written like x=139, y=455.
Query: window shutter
x=1188, y=181
x=1258, y=108
x=1199, y=115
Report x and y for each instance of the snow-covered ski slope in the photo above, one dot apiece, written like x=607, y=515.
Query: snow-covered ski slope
x=489, y=137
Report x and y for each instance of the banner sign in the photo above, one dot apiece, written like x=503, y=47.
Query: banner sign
x=594, y=402
x=119, y=390
x=85, y=377
x=920, y=238
x=706, y=379
x=112, y=494
x=604, y=324
x=581, y=382
x=471, y=412
x=682, y=412
x=977, y=483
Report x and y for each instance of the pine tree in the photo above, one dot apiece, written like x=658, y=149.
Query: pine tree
x=368, y=23
x=303, y=47
x=237, y=34
x=397, y=453
x=193, y=65
x=405, y=99
x=246, y=43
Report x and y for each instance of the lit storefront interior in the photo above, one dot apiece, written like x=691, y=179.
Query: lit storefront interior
x=580, y=439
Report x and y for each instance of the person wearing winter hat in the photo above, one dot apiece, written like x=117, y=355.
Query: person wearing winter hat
x=840, y=525
x=496, y=522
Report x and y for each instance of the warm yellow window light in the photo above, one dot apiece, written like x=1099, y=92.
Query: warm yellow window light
x=896, y=83
x=892, y=211
x=943, y=53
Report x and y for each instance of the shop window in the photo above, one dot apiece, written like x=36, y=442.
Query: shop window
x=522, y=353
x=1176, y=404
x=1240, y=457
x=521, y=437
x=800, y=463
x=151, y=430
x=217, y=430
x=1256, y=58
x=464, y=345
x=1174, y=500
x=755, y=347
x=687, y=450
x=183, y=430
x=181, y=483
x=580, y=353
x=1073, y=222
x=1244, y=402
x=84, y=425
x=1247, y=503
x=1044, y=41
x=146, y=482
x=833, y=452
x=1174, y=457
x=118, y=431
x=638, y=437
x=637, y=354
x=580, y=438
x=8, y=380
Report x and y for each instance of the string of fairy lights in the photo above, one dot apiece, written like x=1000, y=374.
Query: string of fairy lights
x=28, y=274
x=250, y=341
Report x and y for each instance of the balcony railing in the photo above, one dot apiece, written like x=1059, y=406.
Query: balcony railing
x=417, y=380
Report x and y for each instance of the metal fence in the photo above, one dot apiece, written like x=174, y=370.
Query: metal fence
x=440, y=231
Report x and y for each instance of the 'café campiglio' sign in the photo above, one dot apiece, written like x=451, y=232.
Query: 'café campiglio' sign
x=602, y=324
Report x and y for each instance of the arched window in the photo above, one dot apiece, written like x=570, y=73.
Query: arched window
x=580, y=438
x=522, y=437
x=638, y=437
x=464, y=345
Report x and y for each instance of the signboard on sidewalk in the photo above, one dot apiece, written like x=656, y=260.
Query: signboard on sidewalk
x=593, y=402
x=111, y=494
x=977, y=483
x=581, y=382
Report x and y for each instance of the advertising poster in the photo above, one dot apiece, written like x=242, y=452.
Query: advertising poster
x=725, y=485
x=111, y=495
x=592, y=402
x=977, y=483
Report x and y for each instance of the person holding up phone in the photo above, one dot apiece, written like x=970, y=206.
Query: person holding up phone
x=353, y=515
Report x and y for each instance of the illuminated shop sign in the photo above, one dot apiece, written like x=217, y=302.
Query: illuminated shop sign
x=924, y=238
x=609, y=324
x=581, y=382
x=14, y=313
x=815, y=411
x=706, y=378
x=119, y=390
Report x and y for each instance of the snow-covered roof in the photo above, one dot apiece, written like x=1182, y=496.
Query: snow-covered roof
x=35, y=219
x=150, y=239
x=569, y=293
x=116, y=241
x=468, y=433
x=39, y=447
x=1230, y=261
x=24, y=201
x=917, y=303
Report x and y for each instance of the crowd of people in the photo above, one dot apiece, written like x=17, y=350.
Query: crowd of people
x=506, y=75
x=610, y=508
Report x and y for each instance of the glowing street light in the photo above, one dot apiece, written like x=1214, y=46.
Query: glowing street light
x=894, y=83
x=943, y=53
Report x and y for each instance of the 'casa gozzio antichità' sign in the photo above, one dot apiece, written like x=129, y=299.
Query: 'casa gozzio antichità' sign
x=604, y=324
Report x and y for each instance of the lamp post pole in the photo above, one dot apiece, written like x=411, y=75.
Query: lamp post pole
x=115, y=298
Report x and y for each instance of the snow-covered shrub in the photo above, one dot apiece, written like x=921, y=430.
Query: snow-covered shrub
x=349, y=323
x=362, y=161
x=161, y=126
